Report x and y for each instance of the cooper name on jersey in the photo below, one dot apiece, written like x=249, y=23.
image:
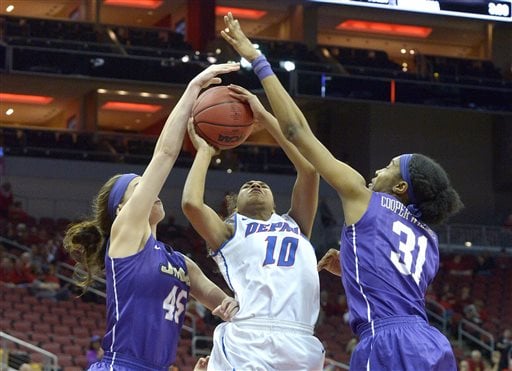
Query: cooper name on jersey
x=179, y=273
x=401, y=210
x=270, y=227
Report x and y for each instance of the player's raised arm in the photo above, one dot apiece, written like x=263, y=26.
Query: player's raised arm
x=202, y=217
x=349, y=184
x=304, y=200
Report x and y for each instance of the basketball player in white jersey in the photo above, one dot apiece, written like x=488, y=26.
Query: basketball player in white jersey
x=265, y=258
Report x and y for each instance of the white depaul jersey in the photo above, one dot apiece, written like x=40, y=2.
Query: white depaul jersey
x=271, y=268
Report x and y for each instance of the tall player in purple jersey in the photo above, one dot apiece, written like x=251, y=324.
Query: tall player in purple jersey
x=389, y=254
x=148, y=283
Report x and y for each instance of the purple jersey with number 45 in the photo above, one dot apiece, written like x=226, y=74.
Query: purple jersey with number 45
x=146, y=300
x=388, y=259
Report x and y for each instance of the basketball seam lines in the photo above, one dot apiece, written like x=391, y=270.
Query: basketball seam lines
x=223, y=125
x=218, y=104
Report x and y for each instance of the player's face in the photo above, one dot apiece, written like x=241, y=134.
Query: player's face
x=386, y=178
x=157, y=210
x=255, y=193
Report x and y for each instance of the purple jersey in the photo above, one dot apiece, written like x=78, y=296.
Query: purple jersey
x=146, y=299
x=388, y=259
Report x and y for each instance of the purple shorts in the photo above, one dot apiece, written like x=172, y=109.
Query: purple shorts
x=402, y=343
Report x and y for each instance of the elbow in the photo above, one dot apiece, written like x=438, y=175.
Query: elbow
x=290, y=131
x=189, y=205
x=295, y=132
x=310, y=171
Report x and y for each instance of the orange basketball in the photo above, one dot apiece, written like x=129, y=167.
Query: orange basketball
x=223, y=121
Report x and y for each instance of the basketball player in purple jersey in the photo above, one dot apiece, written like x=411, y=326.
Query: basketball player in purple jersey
x=148, y=283
x=389, y=254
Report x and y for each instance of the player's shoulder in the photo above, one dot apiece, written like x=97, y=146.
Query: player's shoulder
x=287, y=218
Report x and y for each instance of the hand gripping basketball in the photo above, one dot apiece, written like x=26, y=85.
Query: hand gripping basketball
x=222, y=120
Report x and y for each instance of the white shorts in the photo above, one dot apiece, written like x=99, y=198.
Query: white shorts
x=264, y=345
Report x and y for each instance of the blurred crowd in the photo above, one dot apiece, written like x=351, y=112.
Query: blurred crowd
x=36, y=268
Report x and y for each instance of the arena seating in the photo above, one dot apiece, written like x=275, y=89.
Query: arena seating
x=65, y=327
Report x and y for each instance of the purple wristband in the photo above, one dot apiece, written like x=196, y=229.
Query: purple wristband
x=261, y=67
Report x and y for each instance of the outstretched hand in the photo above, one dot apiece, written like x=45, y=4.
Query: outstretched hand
x=197, y=140
x=260, y=114
x=234, y=35
x=330, y=262
x=227, y=309
x=209, y=75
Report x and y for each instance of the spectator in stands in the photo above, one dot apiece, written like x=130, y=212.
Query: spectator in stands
x=446, y=294
x=17, y=214
x=94, y=351
x=464, y=365
x=6, y=199
x=24, y=268
x=495, y=362
x=481, y=309
x=472, y=314
x=266, y=259
x=148, y=282
x=38, y=257
x=20, y=234
x=33, y=236
x=7, y=270
x=457, y=266
x=485, y=265
x=47, y=285
x=202, y=364
x=465, y=298
x=386, y=238
x=52, y=248
x=504, y=346
x=459, y=305
x=475, y=361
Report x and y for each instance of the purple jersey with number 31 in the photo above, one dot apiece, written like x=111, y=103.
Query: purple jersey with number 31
x=388, y=259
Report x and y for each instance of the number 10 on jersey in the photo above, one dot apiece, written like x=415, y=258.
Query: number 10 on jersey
x=287, y=250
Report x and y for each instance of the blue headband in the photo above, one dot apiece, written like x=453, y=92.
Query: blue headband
x=117, y=193
x=404, y=171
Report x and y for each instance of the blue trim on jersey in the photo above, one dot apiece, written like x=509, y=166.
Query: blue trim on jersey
x=229, y=239
x=227, y=271
x=218, y=251
x=224, y=351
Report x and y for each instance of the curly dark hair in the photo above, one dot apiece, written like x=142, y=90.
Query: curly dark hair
x=435, y=197
x=85, y=241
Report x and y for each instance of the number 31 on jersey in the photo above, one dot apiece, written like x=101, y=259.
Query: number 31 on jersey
x=405, y=264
